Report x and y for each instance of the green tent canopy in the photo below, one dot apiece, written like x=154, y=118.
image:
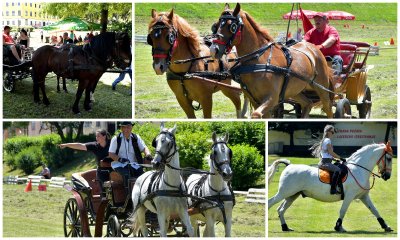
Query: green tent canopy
x=72, y=23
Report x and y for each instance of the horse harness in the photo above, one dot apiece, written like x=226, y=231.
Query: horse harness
x=238, y=68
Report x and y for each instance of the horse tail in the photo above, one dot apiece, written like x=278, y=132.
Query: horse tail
x=274, y=166
x=134, y=223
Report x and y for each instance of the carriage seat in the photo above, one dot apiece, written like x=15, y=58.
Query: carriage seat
x=85, y=181
x=348, y=54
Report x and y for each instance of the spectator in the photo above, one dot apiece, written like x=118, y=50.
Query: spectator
x=299, y=36
x=67, y=39
x=41, y=36
x=45, y=172
x=121, y=77
x=23, y=38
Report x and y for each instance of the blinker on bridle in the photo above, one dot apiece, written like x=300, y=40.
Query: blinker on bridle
x=214, y=160
x=156, y=30
x=235, y=29
x=165, y=156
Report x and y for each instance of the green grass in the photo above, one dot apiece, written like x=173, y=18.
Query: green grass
x=310, y=218
x=40, y=214
x=154, y=98
x=108, y=103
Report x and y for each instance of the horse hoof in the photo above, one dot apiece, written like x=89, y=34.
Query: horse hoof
x=340, y=229
x=285, y=228
x=388, y=229
x=47, y=103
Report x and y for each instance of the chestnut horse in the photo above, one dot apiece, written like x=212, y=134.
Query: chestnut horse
x=268, y=87
x=85, y=63
x=172, y=38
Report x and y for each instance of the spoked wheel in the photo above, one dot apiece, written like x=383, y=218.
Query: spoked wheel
x=72, y=219
x=8, y=81
x=126, y=230
x=343, y=109
x=364, y=109
x=113, y=227
x=178, y=227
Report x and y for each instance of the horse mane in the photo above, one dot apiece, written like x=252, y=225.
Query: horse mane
x=102, y=45
x=257, y=27
x=190, y=34
x=360, y=151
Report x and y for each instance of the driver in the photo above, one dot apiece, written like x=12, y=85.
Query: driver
x=326, y=38
x=125, y=150
x=324, y=151
x=8, y=42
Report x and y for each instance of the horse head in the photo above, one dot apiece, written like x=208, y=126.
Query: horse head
x=221, y=156
x=227, y=30
x=163, y=39
x=385, y=162
x=165, y=147
x=122, y=53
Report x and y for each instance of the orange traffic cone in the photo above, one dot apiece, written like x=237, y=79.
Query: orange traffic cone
x=28, y=187
x=345, y=25
x=376, y=44
x=289, y=35
x=391, y=41
x=363, y=26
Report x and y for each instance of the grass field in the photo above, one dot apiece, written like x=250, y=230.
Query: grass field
x=108, y=103
x=40, y=214
x=154, y=99
x=310, y=218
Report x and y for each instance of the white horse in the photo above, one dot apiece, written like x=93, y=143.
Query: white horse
x=213, y=187
x=166, y=190
x=302, y=179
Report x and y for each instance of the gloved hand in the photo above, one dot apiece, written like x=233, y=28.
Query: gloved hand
x=123, y=160
x=148, y=157
x=343, y=159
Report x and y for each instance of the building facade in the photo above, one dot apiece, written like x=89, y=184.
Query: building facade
x=25, y=14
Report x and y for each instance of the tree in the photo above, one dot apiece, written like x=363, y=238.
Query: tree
x=13, y=126
x=66, y=130
x=94, y=12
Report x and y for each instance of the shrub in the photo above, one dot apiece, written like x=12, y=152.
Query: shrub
x=14, y=145
x=29, y=159
x=192, y=148
x=10, y=161
x=248, y=166
x=55, y=157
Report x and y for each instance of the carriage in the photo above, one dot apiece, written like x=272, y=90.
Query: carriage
x=12, y=71
x=351, y=89
x=88, y=210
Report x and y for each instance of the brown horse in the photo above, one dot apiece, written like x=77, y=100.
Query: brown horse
x=85, y=63
x=172, y=38
x=263, y=86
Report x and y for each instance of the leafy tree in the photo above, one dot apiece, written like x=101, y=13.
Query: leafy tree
x=71, y=129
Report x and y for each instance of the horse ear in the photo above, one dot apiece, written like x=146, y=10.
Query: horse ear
x=214, y=137
x=171, y=15
x=237, y=10
x=226, y=7
x=226, y=138
x=162, y=126
x=153, y=13
x=173, y=130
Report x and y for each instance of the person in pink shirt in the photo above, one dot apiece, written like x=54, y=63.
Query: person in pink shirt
x=8, y=41
x=326, y=38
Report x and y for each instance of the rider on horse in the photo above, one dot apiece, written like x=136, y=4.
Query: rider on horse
x=324, y=150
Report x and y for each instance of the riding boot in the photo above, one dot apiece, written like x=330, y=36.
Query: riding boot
x=334, y=182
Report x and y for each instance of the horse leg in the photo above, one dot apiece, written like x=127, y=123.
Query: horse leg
x=305, y=103
x=186, y=105
x=282, y=209
x=86, y=103
x=162, y=223
x=245, y=108
x=58, y=84
x=264, y=110
x=209, y=230
x=343, y=209
x=36, y=79
x=45, y=99
x=228, y=224
x=141, y=224
x=206, y=103
x=75, y=107
x=64, y=85
x=195, y=226
x=368, y=203
x=234, y=96
x=184, y=216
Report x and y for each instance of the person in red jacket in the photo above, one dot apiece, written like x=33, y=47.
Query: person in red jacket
x=326, y=38
x=8, y=41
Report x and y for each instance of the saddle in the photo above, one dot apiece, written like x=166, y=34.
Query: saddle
x=326, y=177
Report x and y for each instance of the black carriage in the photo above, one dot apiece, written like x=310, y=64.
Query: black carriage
x=13, y=70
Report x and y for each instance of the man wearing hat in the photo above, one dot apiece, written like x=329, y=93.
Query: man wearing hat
x=326, y=38
x=126, y=150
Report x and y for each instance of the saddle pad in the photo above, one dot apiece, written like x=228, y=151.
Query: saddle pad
x=325, y=176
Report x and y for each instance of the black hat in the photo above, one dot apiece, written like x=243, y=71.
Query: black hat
x=120, y=124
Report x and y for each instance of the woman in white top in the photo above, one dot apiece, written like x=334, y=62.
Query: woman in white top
x=324, y=150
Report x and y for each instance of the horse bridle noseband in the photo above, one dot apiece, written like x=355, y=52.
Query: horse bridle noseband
x=166, y=158
x=235, y=28
x=172, y=39
x=217, y=165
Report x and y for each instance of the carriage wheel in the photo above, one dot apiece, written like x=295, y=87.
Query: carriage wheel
x=125, y=229
x=72, y=219
x=8, y=82
x=279, y=111
x=364, y=109
x=343, y=109
x=178, y=227
x=113, y=227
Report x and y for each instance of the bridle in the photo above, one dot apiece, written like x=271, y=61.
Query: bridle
x=166, y=157
x=119, y=60
x=236, y=28
x=217, y=165
x=383, y=158
x=172, y=39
